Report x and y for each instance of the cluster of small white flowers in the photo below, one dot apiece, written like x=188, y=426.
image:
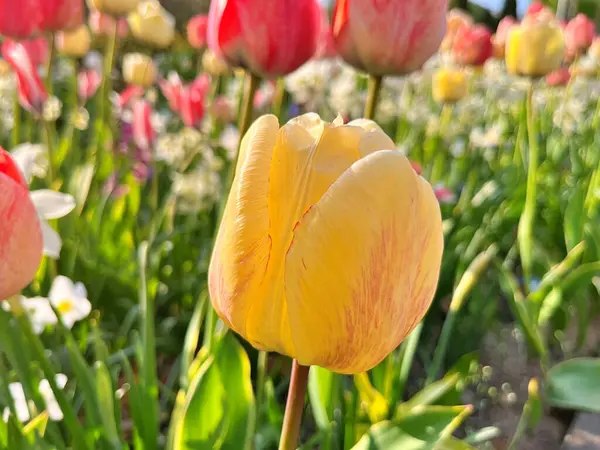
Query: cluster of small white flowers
x=8, y=87
x=309, y=85
x=344, y=97
x=197, y=190
x=179, y=149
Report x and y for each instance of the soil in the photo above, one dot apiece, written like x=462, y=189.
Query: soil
x=500, y=395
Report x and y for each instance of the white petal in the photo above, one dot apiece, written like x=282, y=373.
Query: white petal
x=52, y=241
x=83, y=308
x=54, y=411
x=20, y=401
x=61, y=380
x=52, y=205
x=30, y=159
x=80, y=290
x=62, y=288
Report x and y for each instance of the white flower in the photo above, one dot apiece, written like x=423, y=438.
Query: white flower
x=70, y=300
x=22, y=405
x=40, y=313
x=50, y=205
x=229, y=140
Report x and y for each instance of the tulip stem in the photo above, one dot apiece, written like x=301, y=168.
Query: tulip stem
x=294, y=407
x=108, y=67
x=50, y=150
x=50, y=62
x=373, y=96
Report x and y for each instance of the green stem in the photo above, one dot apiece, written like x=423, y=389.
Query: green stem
x=279, y=98
x=50, y=149
x=294, y=407
x=108, y=67
x=50, y=63
x=373, y=96
x=16, y=131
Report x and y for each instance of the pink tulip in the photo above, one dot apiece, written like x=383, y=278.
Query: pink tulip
x=31, y=91
x=129, y=96
x=443, y=194
x=416, y=167
x=196, y=31
x=499, y=39
x=388, y=37
x=192, y=101
x=268, y=37
x=37, y=49
x=579, y=35
x=473, y=45
x=104, y=25
x=559, y=77
x=21, y=235
x=221, y=109
x=60, y=15
x=326, y=48
x=171, y=88
x=535, y=8
x=88, y=82
x=143, y=132
x=20, y=19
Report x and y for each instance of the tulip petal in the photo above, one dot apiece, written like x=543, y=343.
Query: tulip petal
x=366, y=255
x=52, y=205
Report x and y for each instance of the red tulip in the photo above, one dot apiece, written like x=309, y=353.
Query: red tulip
x=60, y=15
x=31, y=91
x=129, y=96
x=326, y=48
x=196, y=31
x=171, y=88
x=20, y=19
x=21, y=241
x=535, y=8
x=268, y=37
x=559, y=77
x=192, y=101
x=143, y=132
x=579, y=35
x=37, y=49
x=388, y=37
x=88, y=83
x=473, y=45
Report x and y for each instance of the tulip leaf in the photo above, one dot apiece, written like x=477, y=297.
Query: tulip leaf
x=106, y=395
x=429, y=394
x=320, y=384
x=575, y=217
x=573, y=384
x=423, y=429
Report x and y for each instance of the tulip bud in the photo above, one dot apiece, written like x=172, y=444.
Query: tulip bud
x=499, y=39
x=103, y=25
x=535, y=8
x=472, y=45
x=579, y=36
x=21, y=238
x=75, y=44
x=455, y=20
x=88, y=83
x=449, y=85
x=114, y=7
x=559, y=77
x=60, y=15
x=213, y=64
x=192, y=101
x=138, y=69
x=171, y=89
x=535, y=47
x=269, y=40
x=222, y=109
x=152, y=24
x=368, y=36
x=20, y=19
x=196, y=31
x=143, y=132
x=594, y=50
x=330, y=246
x=30, y=89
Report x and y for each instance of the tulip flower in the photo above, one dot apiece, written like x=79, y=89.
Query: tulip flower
x=139, y=69
x=143, y=132
x=443, y=194
x=31, y=92
x=196, y=31
x=473, y=45
x=559, y=77
x=21, y=238
x=535, y=8
x=58, y=15
x=535, y=47
x=88, y=83
x=171, y=88
x=269, y=38
x=213, y=64
x=222, y=109
x=151, y=24
x=129, y=96
x=368, y=34
x=449, y=85
x=455, y=20
x=20, y=19
x=192, y=101
x=114, y=7
x=75, y=43
x=579, y=36
x=326, y=46
x=594, y=50
x=330, y=245
x=499, y=39
x=103, y=25
x=37, y=49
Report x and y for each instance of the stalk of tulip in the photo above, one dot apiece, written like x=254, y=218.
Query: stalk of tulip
x=50, y=62
x=373, y=96
x=294, y=407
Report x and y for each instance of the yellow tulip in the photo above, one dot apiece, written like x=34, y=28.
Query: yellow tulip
x=535, y=47
x=330, y=246
x=449, y=85
x=74, y=43
x=212, y=64
x=114, y=7
x=152, y=24
x=139, y=69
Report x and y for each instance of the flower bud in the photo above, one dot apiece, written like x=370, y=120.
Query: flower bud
x=151, y=24
x=139, y=70
x=74, y=43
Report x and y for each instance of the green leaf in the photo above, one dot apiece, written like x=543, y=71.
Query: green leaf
x=320, y=384
x=423, y=429
x=106, y=395
x=573, y=384
x=429, y=394
x=550, y=305
x=190, y=342
x=575, y=217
